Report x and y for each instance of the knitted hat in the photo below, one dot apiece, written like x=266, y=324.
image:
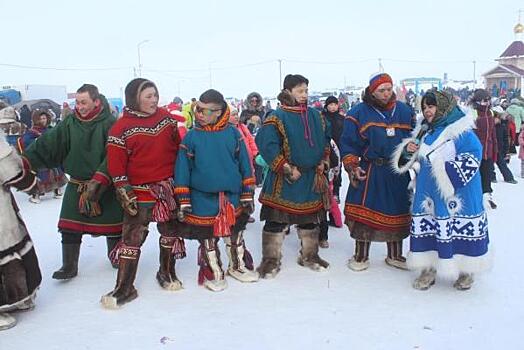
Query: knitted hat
x=133, y=90
x=330, y=100
x=377, y=79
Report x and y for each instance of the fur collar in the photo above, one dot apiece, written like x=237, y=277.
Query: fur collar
x=372, y=101
x=438, y=166
x=286, y=99
x=451, y=132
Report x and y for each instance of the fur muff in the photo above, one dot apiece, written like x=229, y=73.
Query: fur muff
x=286, y=99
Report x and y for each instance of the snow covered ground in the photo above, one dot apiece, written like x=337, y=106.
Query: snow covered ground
x=300, y=309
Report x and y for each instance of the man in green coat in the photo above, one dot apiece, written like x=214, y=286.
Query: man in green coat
x=78, y=146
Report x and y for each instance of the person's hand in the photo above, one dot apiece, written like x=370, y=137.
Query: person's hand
x=94, y=190
x=356, y=176
x=183, y=211
x=412, y=147
x=291, y=173
x=128, y=200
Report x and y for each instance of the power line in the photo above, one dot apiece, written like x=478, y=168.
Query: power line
x=10, y=65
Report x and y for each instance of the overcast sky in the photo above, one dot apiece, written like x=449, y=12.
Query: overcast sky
x=234, y=46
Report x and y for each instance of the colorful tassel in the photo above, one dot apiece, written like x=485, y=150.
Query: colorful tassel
x=165, y=206
x=225, y=218
x=179, y=248
x=321, y=186
x=86, y=207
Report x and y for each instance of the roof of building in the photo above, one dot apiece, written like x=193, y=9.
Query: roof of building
x=516, y=48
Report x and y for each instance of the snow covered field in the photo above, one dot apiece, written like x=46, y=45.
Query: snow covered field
x=300, y=309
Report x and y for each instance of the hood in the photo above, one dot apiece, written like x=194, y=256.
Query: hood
x=258, y=107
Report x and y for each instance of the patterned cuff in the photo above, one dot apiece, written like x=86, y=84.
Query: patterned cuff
x=183, y=195
x=351, y=161
x=102, y=178
x=247, y=196
x=277, y=164
x=120, y=181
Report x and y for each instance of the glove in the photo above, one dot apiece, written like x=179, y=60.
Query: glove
x=356, y=175
x=127, y=198
x=183, y=210
x=323, y=166
x=291, y=173
x=248, y=206
x=94, y=190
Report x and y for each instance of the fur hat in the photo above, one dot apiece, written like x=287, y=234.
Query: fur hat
x=35, y=116
x=330, y=100
x=378, y=79
x=7, y=115
x=480, y=94
x=133, y=90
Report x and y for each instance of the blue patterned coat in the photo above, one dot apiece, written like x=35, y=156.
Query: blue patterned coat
x=449, y=227
x=211, y=160
x=284, y=138
x=368, y=140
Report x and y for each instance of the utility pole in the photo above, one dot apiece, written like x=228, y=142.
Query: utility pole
x=280, y=72
x=139, y=58
x=380, y=67
x=210, y=77
x=474, y=72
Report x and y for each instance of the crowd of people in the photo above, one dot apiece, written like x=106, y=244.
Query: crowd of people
x=154, y=164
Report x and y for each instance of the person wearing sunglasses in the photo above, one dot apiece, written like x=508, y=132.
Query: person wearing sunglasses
x=214, y=185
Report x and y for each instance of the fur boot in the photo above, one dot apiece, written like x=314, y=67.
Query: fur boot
x=464, y=281
x=211, y=274
x=271, y=254
x=240, y=260
x=124, y=291
x=166, y=275
x=14, y=282
x=309, y=253
x=6, y=321
x=69, y=269
x=425, y=280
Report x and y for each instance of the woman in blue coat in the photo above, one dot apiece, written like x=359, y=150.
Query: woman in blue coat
x=449, y=228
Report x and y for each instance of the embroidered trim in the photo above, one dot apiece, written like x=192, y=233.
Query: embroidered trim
x=376, y=219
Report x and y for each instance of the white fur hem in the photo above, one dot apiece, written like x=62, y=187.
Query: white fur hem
x=449, y=268
x=19, y=304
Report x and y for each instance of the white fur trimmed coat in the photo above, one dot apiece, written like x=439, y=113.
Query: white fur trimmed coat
x=449, y=228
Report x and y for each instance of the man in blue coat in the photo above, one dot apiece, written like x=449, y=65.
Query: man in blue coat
x=377, y=202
